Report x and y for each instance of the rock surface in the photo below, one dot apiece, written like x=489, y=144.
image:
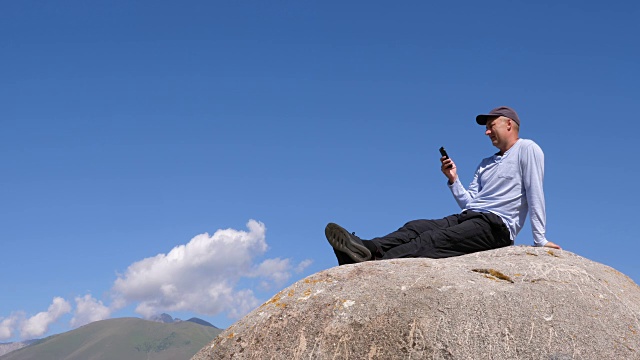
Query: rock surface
x=511, y=303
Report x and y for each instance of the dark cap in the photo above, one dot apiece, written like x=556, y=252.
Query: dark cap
x=499, y=111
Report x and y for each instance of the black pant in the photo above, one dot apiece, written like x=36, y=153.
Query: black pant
x=455, y=235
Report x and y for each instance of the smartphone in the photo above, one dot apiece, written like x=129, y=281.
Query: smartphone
x=443, y=152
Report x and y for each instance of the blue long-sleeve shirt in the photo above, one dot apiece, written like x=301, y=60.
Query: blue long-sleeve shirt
x=509, y=185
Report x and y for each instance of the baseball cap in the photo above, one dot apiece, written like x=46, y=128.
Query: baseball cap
x=499, y=111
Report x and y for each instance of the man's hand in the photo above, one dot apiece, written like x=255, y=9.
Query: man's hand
x=552, y=245
x=449, y=169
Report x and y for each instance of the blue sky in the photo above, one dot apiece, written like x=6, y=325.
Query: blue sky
x=132, y=132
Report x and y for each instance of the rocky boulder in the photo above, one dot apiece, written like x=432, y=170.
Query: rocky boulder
x=512, y=303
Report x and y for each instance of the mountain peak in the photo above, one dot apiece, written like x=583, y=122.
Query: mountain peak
x=201, y=322
x=163, y=318
x=121, y=338
x=168, y=319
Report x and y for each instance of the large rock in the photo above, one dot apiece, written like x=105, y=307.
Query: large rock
x=511, y=303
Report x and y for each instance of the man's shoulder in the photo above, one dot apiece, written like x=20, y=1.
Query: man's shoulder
x=528, y=145
x=529, y=153
x=527, y=142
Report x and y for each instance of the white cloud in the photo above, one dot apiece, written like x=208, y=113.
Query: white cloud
x=38, y=324
x=276, y=270
x=89, y=310
x=242, y=303
x=8, y=326
x=303, y=265
x=202, y=275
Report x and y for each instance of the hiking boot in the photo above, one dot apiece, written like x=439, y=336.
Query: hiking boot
x=346, y=243
x=343, y=258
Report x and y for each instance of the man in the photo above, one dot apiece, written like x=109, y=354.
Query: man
x=506, y=186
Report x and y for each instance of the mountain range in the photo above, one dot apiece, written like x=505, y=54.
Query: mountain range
x=123, y=338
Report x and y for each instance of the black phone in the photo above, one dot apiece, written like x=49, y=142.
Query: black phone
x=443, y=152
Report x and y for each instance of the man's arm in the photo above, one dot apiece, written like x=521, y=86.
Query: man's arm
x=532, y=163
x=462, y=195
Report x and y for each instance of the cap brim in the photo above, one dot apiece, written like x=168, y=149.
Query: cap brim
x=483, y=118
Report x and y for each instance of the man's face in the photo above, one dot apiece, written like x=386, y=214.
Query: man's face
x=497, y=131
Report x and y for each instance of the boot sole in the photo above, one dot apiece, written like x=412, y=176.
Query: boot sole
x=342, y=241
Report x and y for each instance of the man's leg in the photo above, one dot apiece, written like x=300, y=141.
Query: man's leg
x=473, y=232
x=412, y=230
x=454, y=235
x=351, y=249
